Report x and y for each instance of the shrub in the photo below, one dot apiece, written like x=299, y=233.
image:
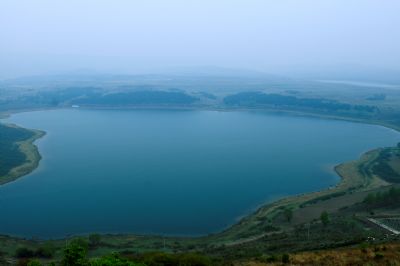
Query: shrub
x=288, y=214
x=324, y=218
x=34, y=263
x=271, y=258
x=24, y=252
x=285, y=258
x=113, y=260
x=45, y=251
x=75, y=255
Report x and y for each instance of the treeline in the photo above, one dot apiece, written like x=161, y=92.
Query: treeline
x=48, y=98
x=382, y=168
x=388, y=198
x=96, y=96
x=138, y=98
x=385, y=171
x=10, y=155
x=60, y=97
x=259, y=99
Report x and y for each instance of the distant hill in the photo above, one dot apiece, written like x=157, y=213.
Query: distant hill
x=259, y=99
x=138, y=98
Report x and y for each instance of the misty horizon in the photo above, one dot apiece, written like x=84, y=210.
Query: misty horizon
x=289, y=38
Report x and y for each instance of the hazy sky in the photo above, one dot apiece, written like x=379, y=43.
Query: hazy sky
x=121, y=35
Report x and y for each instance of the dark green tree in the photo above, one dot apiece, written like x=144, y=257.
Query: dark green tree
x=75, y=254
x=324, y=218
x=288, y=214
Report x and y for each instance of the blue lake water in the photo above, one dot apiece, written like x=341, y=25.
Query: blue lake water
x=171, y=172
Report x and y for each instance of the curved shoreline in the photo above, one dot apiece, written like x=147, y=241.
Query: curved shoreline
x=31, y=152
x=346, y=183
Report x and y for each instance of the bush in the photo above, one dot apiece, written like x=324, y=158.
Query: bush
x=75, y=254
x=45, y=251
x=364, y=247
x=285, y=258
x=271, y=258
x=288, y=214
x=34, y=263
x=24, y=252
x=324, y=218
x=113, y=260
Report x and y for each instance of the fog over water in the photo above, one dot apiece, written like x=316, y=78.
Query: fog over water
x=282, y=37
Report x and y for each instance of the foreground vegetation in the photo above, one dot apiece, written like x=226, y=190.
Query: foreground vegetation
x=364, y=254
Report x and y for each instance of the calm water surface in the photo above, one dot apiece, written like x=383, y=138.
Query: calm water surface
x=171, y=172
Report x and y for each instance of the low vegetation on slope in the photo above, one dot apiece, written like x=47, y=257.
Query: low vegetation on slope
x=387, y=161
x=138, y=98
x=10, y=154
x=76, y=253
x=388, y=254
x=259, y=99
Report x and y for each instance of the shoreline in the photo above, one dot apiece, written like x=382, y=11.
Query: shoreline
x=31, y=152
x=346, y=183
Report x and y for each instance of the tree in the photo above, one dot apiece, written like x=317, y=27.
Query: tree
x=288, y=214
x=324, y=218
x=75, y=254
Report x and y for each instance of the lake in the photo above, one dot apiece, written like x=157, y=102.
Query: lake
x=171, y=172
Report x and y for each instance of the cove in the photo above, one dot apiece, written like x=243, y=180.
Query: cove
x=171, y=172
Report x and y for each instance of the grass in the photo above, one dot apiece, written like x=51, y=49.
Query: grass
x=388, y=254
